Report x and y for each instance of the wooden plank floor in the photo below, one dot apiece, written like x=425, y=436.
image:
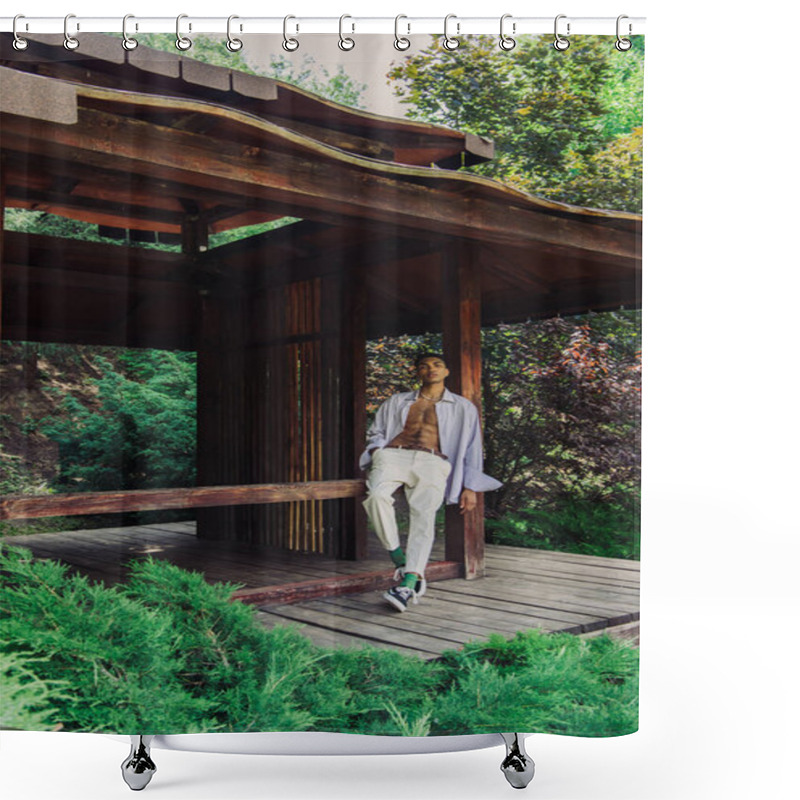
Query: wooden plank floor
x=522, y=589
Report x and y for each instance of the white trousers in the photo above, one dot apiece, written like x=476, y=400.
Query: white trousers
x=424, y=477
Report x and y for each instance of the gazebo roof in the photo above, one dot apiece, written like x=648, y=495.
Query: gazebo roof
x=145, y=141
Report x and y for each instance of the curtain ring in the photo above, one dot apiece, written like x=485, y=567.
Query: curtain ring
x=128, y=43
x=19, y=43
x=181, y=42
x=289, y=44
x=345, y=42
x=450, y=42
x=507, y=42
x=233, y=45
x=401, y=42
x=622, y=44
x=560, y=43
x=70, y=42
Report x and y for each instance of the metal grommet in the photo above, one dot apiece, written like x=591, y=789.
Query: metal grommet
x=181, y=42
x=401, y=42
x=560, y=43
x=450, y=42
x=70, y=42
x=127, y=42
x=345, y=42
x=19, y=43
x=623, y=45
x=289, y=44
x=507, y=42
x=234, y=45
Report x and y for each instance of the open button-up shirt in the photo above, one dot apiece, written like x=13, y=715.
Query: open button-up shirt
x=459, y=439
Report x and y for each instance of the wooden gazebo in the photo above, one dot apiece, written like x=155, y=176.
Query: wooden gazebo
x=392, y=238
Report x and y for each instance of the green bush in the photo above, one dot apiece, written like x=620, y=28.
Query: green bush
x=115, y=655
x=167, y=652
x=28, y=703
x=589, y=527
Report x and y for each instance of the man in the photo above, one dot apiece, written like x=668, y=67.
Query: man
x=429, y=442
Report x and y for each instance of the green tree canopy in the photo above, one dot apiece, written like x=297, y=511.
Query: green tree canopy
x=566, y=125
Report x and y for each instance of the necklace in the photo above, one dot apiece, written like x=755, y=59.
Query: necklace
x=431, y=399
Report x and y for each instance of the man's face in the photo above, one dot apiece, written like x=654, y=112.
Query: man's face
x=432, y=370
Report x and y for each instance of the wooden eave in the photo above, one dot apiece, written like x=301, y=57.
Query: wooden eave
x=145, y=162
x=246, y=163
x=100, y=61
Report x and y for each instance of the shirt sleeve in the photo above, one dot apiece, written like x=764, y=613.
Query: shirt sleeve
x=474, y=476
x=376, y=435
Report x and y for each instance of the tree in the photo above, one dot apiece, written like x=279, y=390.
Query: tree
x=550, y=114
x=142, y=432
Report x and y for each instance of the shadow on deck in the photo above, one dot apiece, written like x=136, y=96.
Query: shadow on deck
x=523, y=588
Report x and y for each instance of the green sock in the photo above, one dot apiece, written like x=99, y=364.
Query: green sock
x=410, y=580
x=398, y=557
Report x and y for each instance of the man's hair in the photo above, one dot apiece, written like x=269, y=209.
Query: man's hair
x=422, y=356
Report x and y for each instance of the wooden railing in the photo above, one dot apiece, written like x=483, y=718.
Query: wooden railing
x=64, y=505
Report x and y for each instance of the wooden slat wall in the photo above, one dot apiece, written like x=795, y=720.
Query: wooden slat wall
x=304, y=410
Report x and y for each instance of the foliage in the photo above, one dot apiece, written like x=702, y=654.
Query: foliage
x=115, y=656
x=561, y=407
x=561, y=122
x=141, y=435
x=27, y=701
x=607, y=529
x=169, y=652
x=540, y=682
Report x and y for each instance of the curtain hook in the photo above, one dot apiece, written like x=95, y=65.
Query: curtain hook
x=623, y=44
x=345, y=42
x=128, y=43
x=70, y=42
x=401, y=42
x=560, y=43
x=182, y=42
x=507, y=42
x=450, y=42
x=19, y=43
x=289, y=43
x=233, y=45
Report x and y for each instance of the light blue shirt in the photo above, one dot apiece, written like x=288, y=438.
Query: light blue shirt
x=459, y=439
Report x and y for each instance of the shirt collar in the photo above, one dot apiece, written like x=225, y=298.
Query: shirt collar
x=447, y=397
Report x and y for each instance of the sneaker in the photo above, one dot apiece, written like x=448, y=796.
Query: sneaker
x=400, y=597
x=419, y=589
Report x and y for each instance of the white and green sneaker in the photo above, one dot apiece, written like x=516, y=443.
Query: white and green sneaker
x=400, y=597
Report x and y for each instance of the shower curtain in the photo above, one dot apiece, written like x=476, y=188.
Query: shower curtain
x=320, y=383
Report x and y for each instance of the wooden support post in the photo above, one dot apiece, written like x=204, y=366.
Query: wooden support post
x=2, y=233
x=461, y=318
x=343, y=394
x=354, y=345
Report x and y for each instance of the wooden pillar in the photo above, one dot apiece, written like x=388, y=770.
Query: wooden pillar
x=461, y=327
x=354, y=345
x=2, y=233
x=343, y=397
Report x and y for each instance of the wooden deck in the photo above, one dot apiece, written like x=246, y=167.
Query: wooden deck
x=522, y=589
